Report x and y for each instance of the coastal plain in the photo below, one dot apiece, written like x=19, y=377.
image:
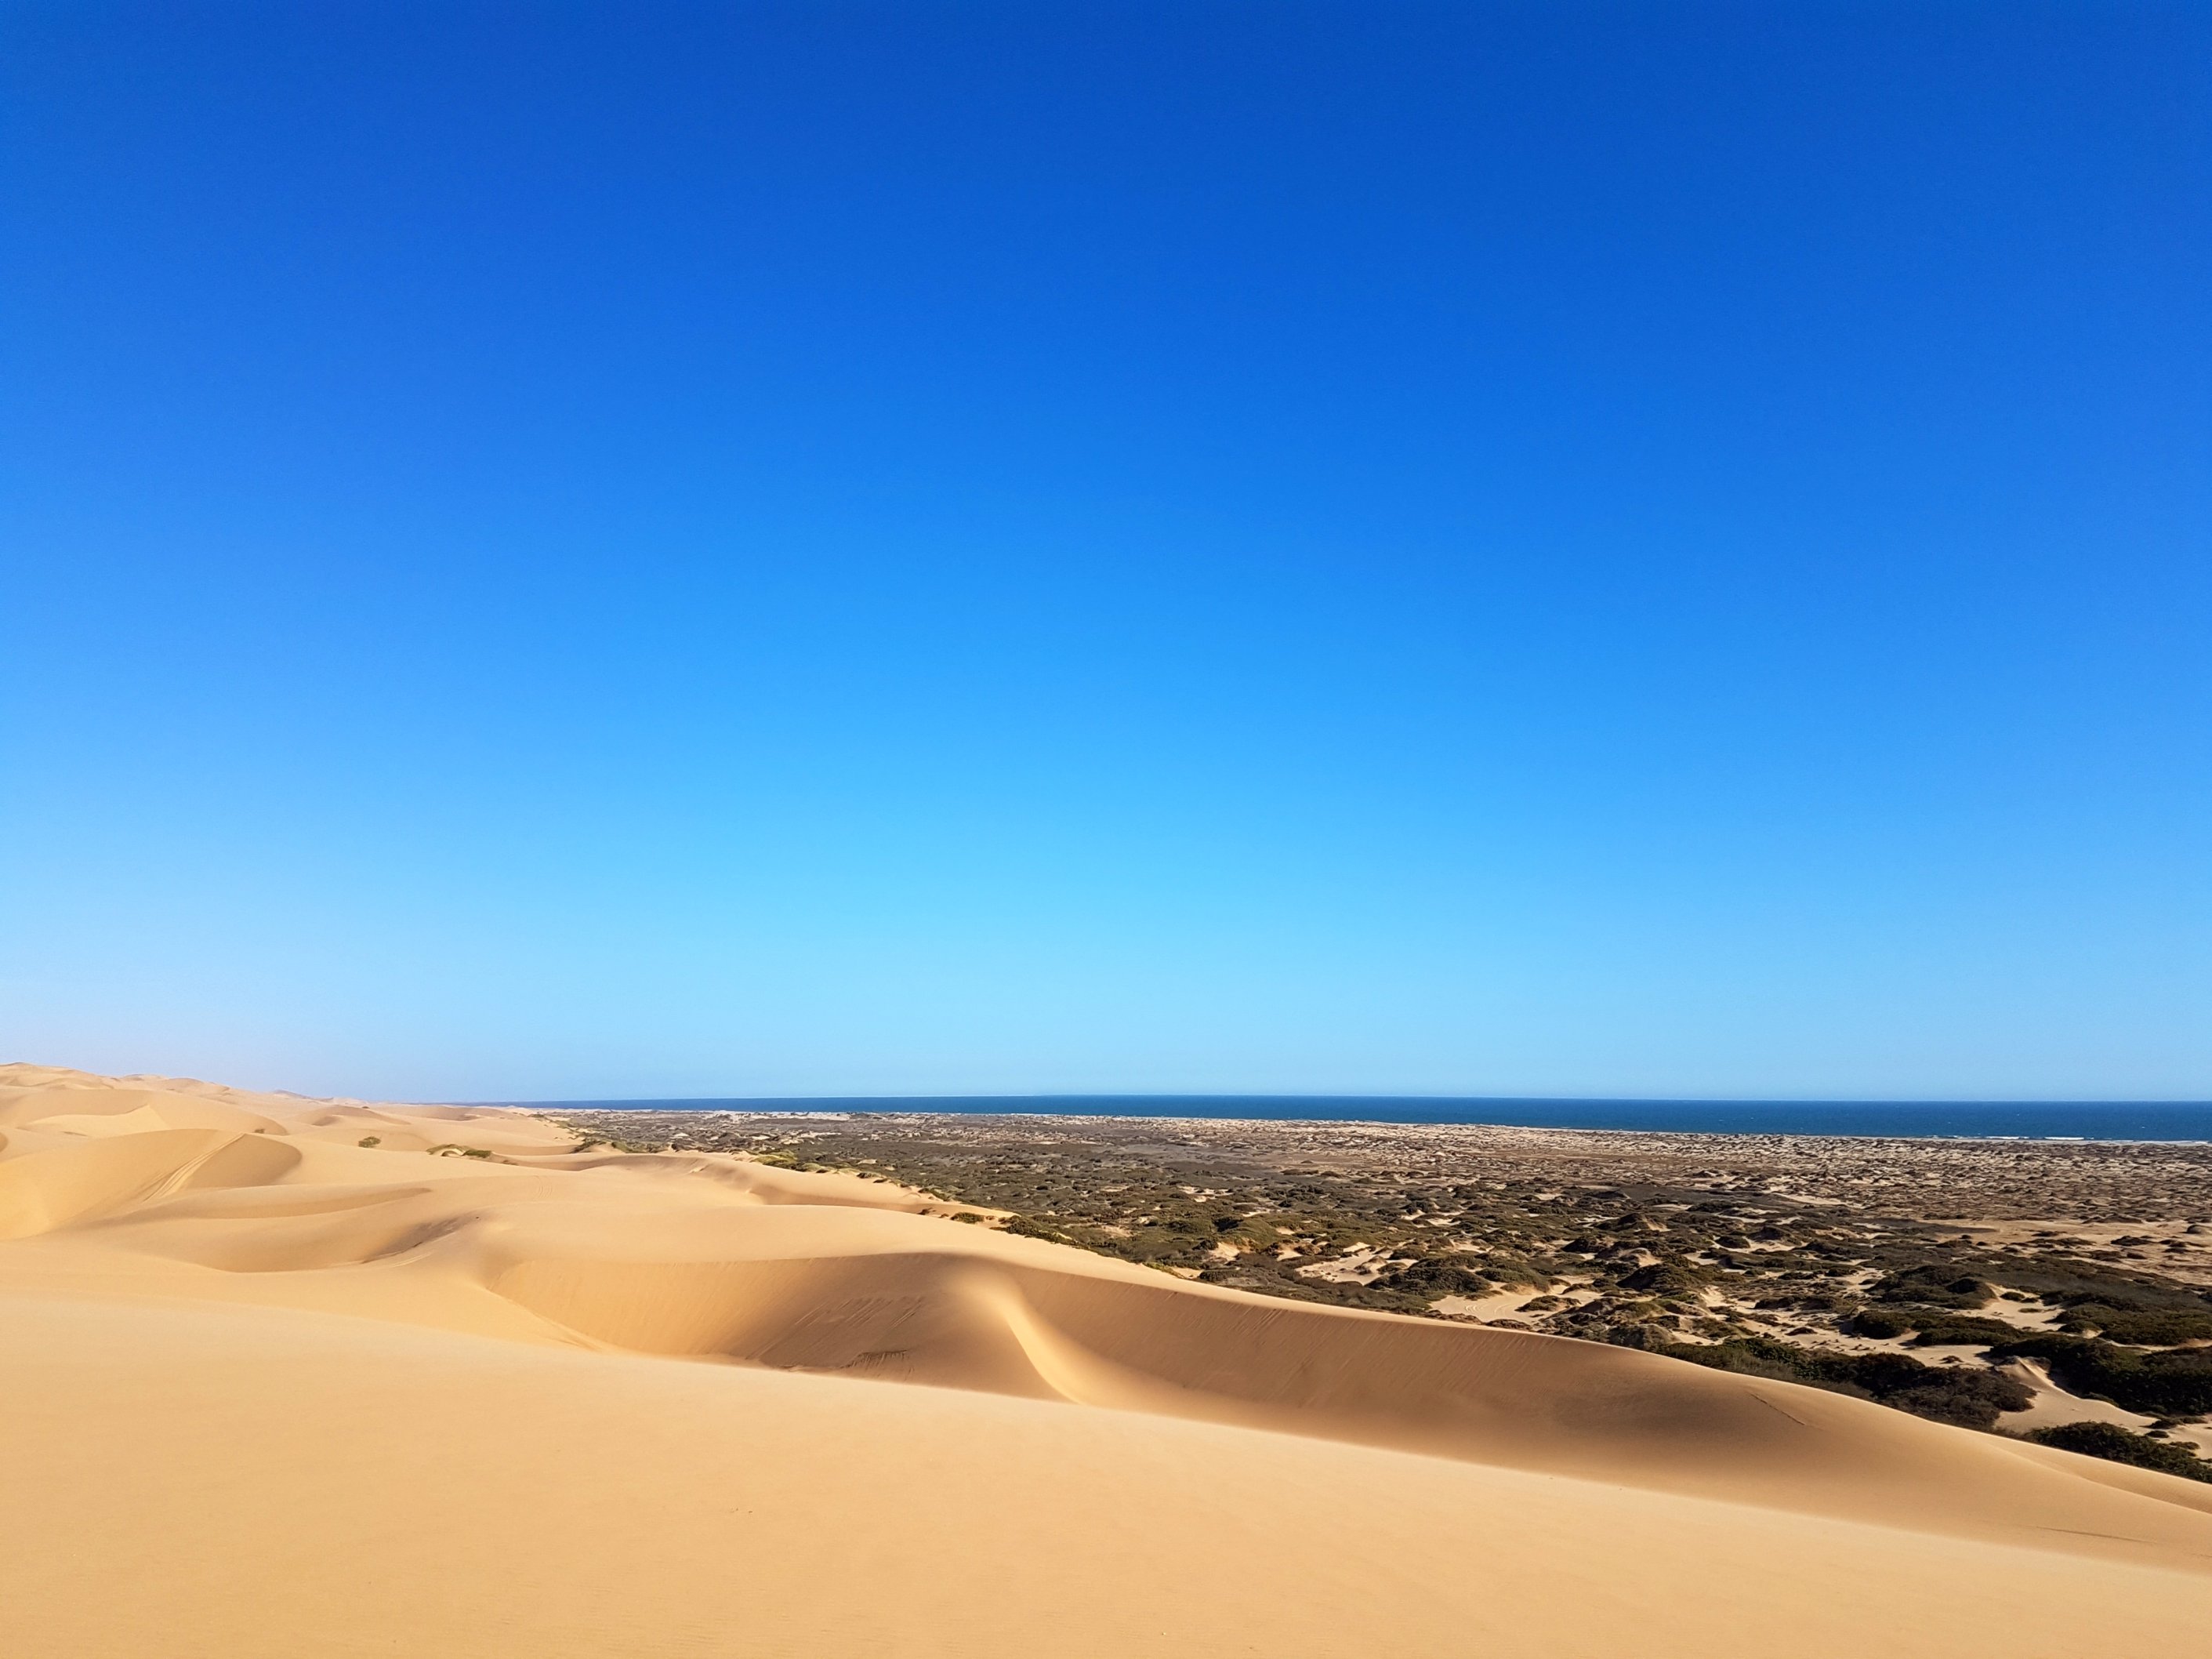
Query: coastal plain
x=2010, y=1284
x=289, y=1376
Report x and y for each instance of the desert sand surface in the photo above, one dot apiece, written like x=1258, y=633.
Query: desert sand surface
x=290, y=1376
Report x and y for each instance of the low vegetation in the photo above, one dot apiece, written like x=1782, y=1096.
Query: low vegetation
x=2176, y=1383
x=1809, y=1260
x=1971, y=1397
x=2119, y=1445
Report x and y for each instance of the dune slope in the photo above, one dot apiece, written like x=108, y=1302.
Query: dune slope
x=271, y=1390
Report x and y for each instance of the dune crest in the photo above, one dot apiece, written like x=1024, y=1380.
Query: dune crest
x=489, y=1273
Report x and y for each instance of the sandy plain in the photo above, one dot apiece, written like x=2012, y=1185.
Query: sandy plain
x=1924, y=1260
x=286, y=1377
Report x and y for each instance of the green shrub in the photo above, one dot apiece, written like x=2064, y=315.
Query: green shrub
x=1968, y=1396
x=1883, y=1322
x=1983, y=1332
x=1431, y=1280
x=1667, y=1279
x=372, y=1141
x=2178, y=1383
x=1931, y=1326
x=1811, y=1302
x=2075, y=1283
x=2119, y=1445
x=1938, y=1286
x=2146, y=1328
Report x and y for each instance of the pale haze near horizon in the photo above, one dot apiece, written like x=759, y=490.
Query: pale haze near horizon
x=660, y=553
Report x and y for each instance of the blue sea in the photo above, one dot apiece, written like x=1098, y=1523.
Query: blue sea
x=2036, y=1120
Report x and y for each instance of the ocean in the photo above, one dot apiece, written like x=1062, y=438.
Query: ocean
x=2036, y=1120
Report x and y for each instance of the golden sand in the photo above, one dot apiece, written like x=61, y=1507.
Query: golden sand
x=268, y=1391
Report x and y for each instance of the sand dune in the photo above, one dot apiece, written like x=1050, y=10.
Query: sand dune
x=270, y=1390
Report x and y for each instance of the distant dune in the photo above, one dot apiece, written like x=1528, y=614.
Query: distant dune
x=286, y=1377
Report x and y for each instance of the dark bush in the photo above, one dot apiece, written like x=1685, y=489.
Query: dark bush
x=2119, y=1445
x=1431, y=1280
x=2178, y=1383
x=1940, y=1327
x=1930, y=1325
x=2075, y=1283
x=2147, y=1328
x=1969, y=1397
x=1976, y=1333
x=1809, y=1301
x=1883, y=1322
x=1667, y=1279
x=1939, y=1287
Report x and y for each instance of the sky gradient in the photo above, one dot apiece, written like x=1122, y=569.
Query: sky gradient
x=1519, y=548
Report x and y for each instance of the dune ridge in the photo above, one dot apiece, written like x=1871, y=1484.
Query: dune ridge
x=590, y=1334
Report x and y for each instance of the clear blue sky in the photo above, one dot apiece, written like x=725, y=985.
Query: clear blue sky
x=1525, y=548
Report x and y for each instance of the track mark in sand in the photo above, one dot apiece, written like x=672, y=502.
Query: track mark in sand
x=846, y=1334
x=2076, y=1531
x=1775, y=1406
